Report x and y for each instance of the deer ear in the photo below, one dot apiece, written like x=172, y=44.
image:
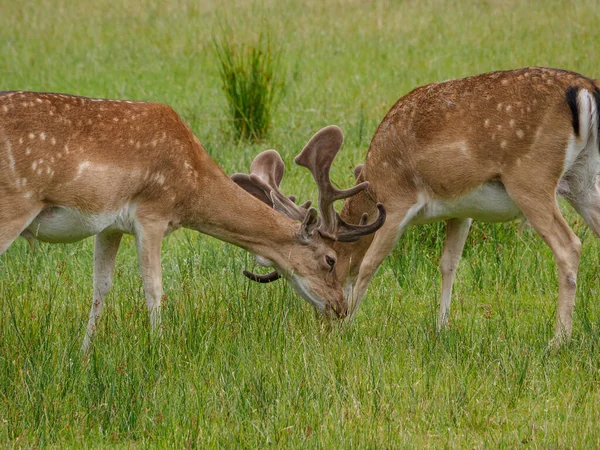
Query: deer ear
x=309, y=224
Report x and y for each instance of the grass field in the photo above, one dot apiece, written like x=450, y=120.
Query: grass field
x=247, y=366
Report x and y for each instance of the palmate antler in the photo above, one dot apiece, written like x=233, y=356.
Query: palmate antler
x=266, y=173
x=317, y=156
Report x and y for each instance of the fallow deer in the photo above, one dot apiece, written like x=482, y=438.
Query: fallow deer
x=492, y=147
x=73, y=167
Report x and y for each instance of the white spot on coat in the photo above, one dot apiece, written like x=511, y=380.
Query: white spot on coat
x=82, y=167
x=11, y=158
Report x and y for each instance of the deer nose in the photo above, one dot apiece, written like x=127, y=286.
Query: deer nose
x=341, y=309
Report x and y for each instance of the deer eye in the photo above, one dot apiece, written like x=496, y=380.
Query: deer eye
x=330, y=262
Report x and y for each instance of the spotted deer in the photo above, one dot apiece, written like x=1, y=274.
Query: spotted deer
x=492, y=147
x=73, y=167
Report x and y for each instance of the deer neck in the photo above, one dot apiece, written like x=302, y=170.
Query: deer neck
x=351, y=254
x=218, y=207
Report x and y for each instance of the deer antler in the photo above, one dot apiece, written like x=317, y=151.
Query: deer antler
x=317, y=156
x=266, y=173
x=357, y=170
x=268, y=278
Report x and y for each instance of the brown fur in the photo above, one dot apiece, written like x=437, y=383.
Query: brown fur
x=97, y=156
x=443, y=140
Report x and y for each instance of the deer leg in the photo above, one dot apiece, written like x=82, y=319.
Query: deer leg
x=457, y=231
x=542, y=212
x=148, y=241
x=106, y=247
x=587, y=204
x=383, y=243
x=30, y=238
x=12, y=226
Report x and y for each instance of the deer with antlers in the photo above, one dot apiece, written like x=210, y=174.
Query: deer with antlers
x=73, y=167
x=492, y=147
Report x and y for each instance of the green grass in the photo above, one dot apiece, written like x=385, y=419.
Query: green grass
x=252, y=80
x=247, y=366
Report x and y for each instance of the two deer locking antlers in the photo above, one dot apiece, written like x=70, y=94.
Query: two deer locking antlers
x=266, y=173
x=73, y=167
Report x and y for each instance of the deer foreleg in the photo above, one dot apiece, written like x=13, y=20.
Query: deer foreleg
x=106, y=247
x=148, y=241
x=457, y=231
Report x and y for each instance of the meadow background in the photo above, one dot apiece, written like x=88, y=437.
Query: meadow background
x=246, y=366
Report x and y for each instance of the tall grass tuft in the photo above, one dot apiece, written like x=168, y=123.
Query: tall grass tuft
x=253, y=83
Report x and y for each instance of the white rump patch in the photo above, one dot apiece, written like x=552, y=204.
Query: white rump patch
x=588, y=116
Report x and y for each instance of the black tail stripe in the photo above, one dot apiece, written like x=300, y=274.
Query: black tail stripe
x=597, y=99
x=572, y=92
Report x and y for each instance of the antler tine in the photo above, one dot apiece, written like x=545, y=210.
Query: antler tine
x=268, y=278
x=317, y=156
x=351, y=233
x=357, y=170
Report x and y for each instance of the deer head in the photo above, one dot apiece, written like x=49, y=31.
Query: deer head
x=266, y=173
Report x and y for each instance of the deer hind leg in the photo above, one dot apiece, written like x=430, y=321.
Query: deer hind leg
x=457, y=231
x=580, y=187
x=383, y=243
x=149, y=237
x=590, y=211
x=106, y=246
x=541, y=209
